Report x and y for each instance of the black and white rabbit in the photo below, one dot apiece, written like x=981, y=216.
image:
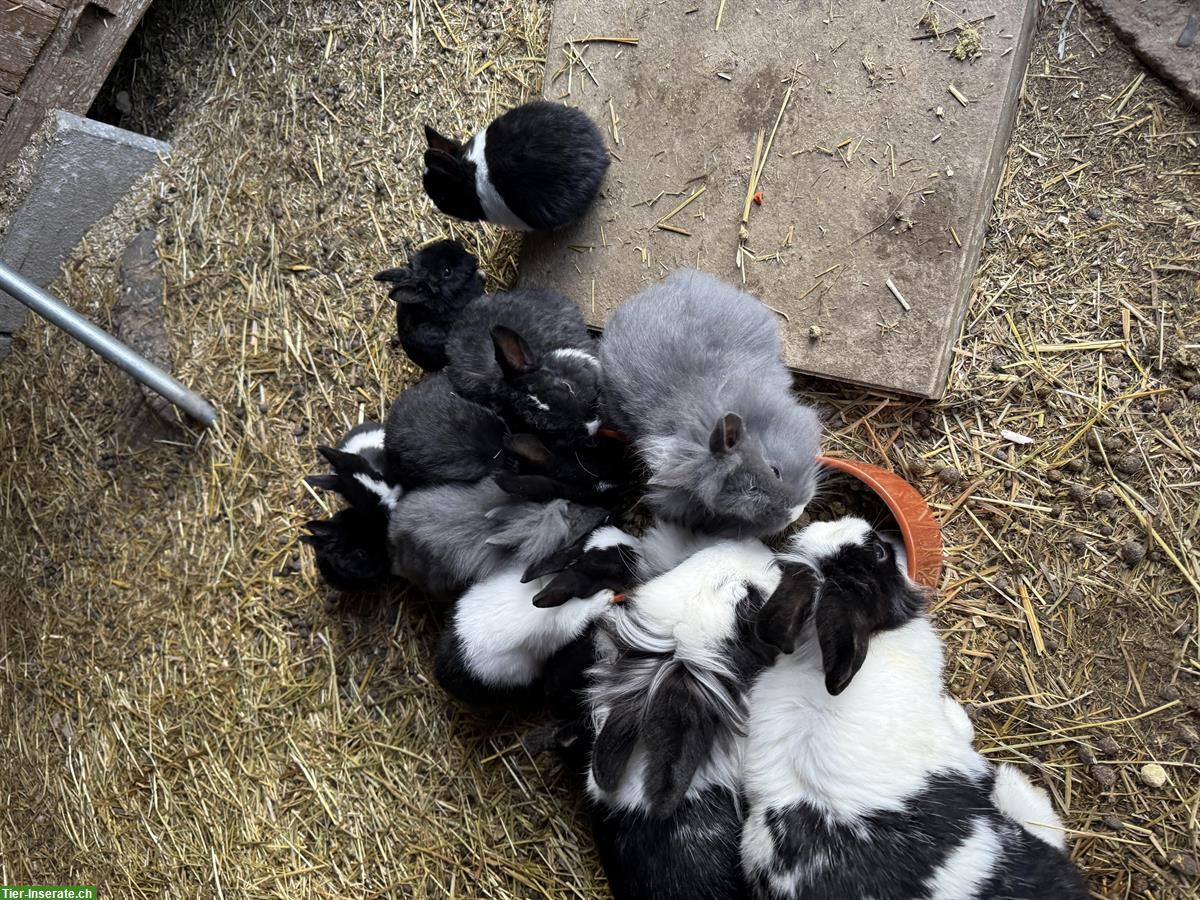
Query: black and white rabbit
x=668, y=702
x=435, y=436
x=860, y=776
x=350, y=547
x=506, y=627
x=693, y=376
x=445, y=538
x=597, y=471
x=662, y=546
x=528, y=355
x=536, y=167
x=430, y=294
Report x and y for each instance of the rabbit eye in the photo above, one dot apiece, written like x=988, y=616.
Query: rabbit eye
x=775, y=469
x=880, y=551
x=446, y=272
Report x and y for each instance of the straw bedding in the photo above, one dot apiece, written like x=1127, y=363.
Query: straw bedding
x=186, y=713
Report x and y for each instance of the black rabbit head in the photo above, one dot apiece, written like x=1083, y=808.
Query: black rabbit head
x=449, y=178
x=556, y=395
x=447, y=269
x=605, y=560
x=350, y=549
x=848, y=580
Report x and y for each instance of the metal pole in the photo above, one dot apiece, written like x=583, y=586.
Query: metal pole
x=58, y=313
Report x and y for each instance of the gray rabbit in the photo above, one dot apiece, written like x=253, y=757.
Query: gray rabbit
x=693, y=376
x=528, y=355
x=445, y=538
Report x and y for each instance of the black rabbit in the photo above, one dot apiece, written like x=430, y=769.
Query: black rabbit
x=597, y=471
x=435, y=436
x=350, y=548
x=535, y=168
x=430, y=294
x=527, y=354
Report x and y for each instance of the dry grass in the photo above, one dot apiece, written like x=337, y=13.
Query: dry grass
x=184, y=716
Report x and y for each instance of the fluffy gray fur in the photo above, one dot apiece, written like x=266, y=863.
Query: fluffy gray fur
x=558, y=392
x=447, y=537
x=678, y=359
x=434, y=436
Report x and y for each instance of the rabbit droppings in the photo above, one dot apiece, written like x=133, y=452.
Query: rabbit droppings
x=693, y=376
x=860, y=776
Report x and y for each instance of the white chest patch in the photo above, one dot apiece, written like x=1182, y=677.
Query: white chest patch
x=495, y=210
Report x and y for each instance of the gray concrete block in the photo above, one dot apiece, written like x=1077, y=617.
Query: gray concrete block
x=877, y=172
x=85, y=169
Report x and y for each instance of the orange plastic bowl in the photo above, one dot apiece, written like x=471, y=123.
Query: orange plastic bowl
x=918, y=527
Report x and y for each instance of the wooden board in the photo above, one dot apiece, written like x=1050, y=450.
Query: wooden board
x=876, y=172
x=55, y=54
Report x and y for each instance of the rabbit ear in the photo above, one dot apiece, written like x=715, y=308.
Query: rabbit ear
x=512, y=353
x=679, y=729
x=341, y=460
x=323, y=482
x=844, y=636
x=528, y=448
x=535, y=488
x=563, y=587
x=318, y=529
x=439, y=143
x=614, y=745
x=782, y=617
x=558, y=561
x=727, y=433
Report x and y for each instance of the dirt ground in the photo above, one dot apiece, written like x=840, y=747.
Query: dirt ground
x=185, y=711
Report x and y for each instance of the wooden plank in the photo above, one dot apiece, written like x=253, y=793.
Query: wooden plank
x=25, y=28
x=72, y=65
x=870, y=171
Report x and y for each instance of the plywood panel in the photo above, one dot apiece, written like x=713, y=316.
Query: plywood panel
x=876, y=171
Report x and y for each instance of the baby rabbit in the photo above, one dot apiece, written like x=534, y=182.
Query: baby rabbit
x=445, y=538
x=505, y=628
x=536, y=167
x=359, y=468
x=595, y=471
x=351, y=547
x=860, y=776
x=528, y=355
x=668, y=704
x=434, y=436
x=350, y=550
x=693, y=376
x=430, y=294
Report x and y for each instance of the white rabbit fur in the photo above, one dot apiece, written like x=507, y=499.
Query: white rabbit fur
x=863, y=781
